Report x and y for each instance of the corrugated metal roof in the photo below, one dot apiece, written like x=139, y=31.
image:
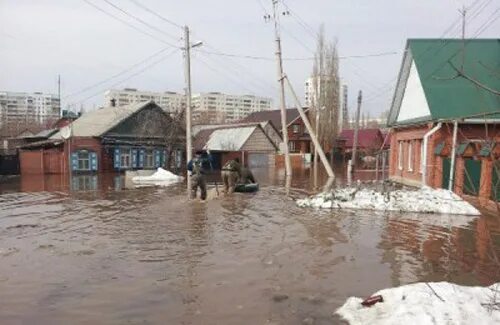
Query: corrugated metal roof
x=224, y=139
x=449, y=95
x=198, y=128
x=98, y=122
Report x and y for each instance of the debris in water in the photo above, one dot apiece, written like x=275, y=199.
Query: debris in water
x=458, y=305
x=370, y=301
x=425, y=199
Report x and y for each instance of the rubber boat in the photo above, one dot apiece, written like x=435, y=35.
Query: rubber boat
x=246, y=188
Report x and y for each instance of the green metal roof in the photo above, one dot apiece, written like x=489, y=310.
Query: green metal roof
x=450, y=96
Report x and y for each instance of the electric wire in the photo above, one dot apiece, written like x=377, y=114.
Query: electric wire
x=137, y=3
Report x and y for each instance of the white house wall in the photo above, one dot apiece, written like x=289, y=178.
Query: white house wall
x=414, y=104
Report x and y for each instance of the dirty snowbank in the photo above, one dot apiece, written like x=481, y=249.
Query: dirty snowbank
x=419, y=304
x=425, y=199
x=161, y=177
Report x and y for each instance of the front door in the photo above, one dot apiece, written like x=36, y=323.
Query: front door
x=472, y=176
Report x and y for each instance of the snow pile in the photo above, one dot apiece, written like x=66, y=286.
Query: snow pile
x=426, y=199
x=427, y=303
x=161, y=177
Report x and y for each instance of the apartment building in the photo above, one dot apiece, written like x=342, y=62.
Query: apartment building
x=215, y=107
x=171, y=102
x=21, y=107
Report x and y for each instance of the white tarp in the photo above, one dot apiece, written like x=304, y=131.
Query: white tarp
x=425, y=199
x=427, y=303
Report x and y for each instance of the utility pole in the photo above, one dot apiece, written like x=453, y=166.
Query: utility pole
x=356, y=127
x=187, y=73
x=463, y=12
x=311, y=131
x=281, y=80
x=59, y=93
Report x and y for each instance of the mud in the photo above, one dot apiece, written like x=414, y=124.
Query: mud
x=89, y=251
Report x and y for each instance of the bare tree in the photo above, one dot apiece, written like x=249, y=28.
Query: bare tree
x=326, y=91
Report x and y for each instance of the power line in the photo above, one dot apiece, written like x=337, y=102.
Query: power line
x=131, y=76
x=301, y=22
x=156, y=14
x=83, y=90
x=265, y=58
x=145, y=23
x=490, y=20
x=130, y=25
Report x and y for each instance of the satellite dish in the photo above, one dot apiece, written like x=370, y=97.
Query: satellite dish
x=66, y=132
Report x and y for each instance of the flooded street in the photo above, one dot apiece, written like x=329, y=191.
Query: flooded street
x=102, y=254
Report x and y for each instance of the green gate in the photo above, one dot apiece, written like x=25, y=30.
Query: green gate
x=495, y=182
x=445, y=179
x=472, y=176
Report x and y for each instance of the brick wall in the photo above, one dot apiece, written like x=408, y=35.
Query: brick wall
x=31, y=162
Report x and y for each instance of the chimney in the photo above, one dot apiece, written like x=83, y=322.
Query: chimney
x=113, y=102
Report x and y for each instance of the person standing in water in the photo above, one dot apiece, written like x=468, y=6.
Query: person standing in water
x=199, y=167
x=231, y=173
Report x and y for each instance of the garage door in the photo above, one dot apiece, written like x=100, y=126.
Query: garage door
x=258, y=160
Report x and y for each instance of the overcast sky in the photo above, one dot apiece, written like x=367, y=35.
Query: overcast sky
x=40, y=39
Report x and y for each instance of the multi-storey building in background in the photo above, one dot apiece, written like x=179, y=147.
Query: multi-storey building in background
x=215, y=107
x=171, y=102
x=24, y=108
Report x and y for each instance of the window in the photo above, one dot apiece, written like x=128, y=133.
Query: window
x=125, y=158
x=149, y=161
x=83, y=160
x=295, y=128
x=400, y=155
x=291, y=146
x=410, y=156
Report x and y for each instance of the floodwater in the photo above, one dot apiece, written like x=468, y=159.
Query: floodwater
x=90, y=251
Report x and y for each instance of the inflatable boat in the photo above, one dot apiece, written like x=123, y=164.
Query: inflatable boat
x=246, y=188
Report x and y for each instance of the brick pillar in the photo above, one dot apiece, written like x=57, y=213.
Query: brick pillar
x=438, y=175
x=459, y=175
x=393, y=160
x=486, y=181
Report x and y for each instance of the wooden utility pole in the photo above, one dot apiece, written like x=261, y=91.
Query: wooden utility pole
x=356, y=127
x=187, y=72
x=284, y=123
x=59, y=93
x=311, y=131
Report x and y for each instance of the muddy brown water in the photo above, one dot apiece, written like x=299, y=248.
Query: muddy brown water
x=90, y=251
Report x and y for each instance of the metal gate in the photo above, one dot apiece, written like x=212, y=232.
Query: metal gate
x=445, y=180
x=472, y=176
x=495, y=182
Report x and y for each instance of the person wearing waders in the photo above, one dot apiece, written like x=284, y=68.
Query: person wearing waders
x=198, y=167
x=231, y=172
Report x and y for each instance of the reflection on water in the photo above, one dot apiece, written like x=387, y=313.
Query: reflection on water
x=93, y=251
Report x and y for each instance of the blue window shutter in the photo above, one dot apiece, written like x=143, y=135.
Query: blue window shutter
x=74, y=160
x=93, y=161
x=117, y=158
x=134, y=158
x=142, y=152
x=157, y=158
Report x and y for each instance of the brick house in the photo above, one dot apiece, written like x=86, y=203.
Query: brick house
x=370, y=141
x=432, y=94
x=248, y=141
x=299, y=140
x=106, y=140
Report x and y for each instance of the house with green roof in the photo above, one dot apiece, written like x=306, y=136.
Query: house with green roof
x=445, y=117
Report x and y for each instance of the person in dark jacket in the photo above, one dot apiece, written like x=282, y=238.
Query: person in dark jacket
x=199, y=167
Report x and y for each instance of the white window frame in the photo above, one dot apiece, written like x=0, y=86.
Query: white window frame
x=83, y=160
x=400, y=155
x=124, y=153
x=295, y=128
x=149, y=153
x=410, y=156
